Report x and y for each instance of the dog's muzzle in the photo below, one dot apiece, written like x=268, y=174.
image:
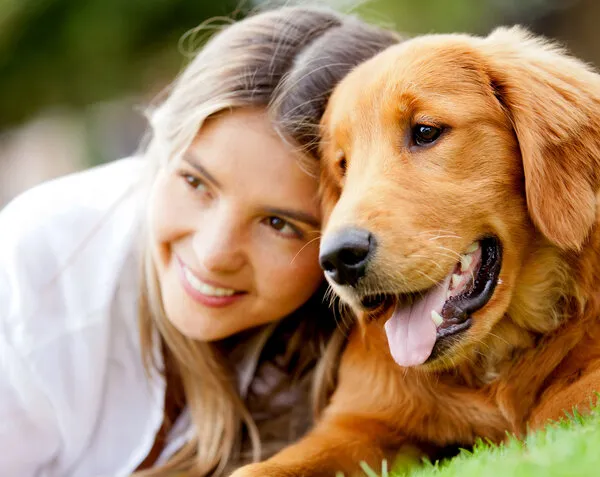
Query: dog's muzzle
x=345, y=255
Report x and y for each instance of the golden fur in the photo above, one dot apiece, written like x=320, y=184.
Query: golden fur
x=518, y=159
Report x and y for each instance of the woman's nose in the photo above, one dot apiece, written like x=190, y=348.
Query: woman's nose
x=218, y=244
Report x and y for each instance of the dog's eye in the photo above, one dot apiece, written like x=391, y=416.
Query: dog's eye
x=424, y=134
x=342, y=166
x=341, y=162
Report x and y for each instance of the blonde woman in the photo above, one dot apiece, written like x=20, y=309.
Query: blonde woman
x=166, y=313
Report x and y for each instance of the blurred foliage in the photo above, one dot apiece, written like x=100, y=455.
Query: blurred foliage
x=432, y=16
x=76, y=52
x=447, y=16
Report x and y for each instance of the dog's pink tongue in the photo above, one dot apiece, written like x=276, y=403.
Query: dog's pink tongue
x=411, y=332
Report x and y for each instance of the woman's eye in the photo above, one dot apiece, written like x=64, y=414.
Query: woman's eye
x=423, y=134
x=283, y=227
x=194, y=182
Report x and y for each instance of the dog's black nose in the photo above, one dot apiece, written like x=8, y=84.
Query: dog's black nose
x=345, y=254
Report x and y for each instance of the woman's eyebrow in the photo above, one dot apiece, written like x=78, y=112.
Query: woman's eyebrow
x=295, y=215
x=207, y=175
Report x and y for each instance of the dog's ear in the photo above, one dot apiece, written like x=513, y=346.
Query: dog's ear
x=553, y=101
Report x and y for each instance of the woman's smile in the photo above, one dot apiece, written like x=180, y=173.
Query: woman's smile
x=205, y=292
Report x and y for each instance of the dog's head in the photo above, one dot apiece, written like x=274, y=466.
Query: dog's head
x=448, y=160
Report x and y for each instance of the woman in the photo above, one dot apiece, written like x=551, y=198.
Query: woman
x=157, y=314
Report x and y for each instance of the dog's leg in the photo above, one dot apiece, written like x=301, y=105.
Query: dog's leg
x=579, y=395
x=337, y=444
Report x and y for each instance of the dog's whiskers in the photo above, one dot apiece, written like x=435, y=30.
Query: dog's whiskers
x=422, y=273
x=437, y=232
x=498, y=337
x=449, y=250
x=437, y=237
x=429, y=259
x=304, y=246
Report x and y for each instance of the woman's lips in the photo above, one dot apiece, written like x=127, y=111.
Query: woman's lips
x=205, y=293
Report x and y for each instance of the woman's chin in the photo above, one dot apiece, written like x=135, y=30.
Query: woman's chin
x=199, y=328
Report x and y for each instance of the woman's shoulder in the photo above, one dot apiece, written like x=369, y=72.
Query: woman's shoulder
x=69, y=285
x=92, y=189
x=63, y=246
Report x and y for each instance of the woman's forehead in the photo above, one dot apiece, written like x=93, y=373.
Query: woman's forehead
x=241, y=152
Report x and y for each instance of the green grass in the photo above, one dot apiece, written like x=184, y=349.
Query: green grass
x=568, y=448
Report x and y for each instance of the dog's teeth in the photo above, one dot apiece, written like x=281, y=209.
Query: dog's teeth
x=465, y=262
x=436, y=318
x=455, y=280
x=472, y=248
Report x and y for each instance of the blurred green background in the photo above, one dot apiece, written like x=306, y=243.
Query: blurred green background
x=75, y=74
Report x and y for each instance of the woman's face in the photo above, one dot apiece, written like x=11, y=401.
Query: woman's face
x=234, y=229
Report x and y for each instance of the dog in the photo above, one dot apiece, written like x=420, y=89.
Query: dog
x=459, y=179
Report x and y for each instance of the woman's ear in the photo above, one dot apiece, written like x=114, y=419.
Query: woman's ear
x=553, y=101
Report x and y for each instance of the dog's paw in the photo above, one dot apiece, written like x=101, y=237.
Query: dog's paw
x=263, y=469
x=268, y=469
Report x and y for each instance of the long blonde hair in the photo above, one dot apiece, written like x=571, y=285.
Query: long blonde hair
x=286, y=61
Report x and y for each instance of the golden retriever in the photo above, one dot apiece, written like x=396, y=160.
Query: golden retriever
x=460, y=178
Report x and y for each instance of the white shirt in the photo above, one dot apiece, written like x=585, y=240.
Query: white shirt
x=74, y=398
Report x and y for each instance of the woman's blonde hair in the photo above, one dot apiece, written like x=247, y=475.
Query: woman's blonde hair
x=286, y=61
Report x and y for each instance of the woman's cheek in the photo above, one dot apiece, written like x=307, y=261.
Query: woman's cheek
x=299, y=272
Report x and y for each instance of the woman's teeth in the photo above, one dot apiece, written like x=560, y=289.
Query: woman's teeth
x=204, y=288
